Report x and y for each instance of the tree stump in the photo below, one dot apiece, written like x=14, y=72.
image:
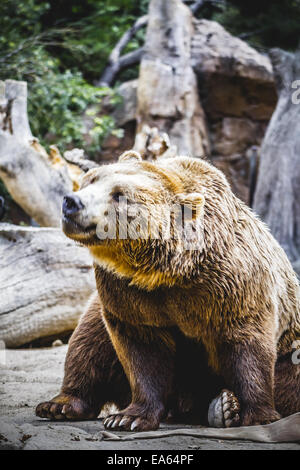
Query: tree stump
x=277, y=195
x=167, y=88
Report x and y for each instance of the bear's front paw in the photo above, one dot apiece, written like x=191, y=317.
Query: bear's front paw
x=224, y=411
x=65, y=407
x=132, y=418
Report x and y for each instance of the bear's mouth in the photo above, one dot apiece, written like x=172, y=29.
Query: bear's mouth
x=74, y=230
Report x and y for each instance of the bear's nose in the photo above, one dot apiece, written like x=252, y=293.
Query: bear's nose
x=71, y=204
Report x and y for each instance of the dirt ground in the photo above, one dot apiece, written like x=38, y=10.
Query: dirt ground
x=30, y=376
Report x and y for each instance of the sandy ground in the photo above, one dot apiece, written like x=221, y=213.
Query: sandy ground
x=34, y=375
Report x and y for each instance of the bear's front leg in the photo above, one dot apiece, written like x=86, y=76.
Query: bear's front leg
x=147, y=356
x=93, y=373
x=248, y=368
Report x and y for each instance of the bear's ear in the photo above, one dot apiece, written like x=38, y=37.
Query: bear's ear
x=192, y=204
x=130, y=155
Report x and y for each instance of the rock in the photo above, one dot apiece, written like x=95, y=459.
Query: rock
x=111, y=141
x=236, y=169
x=57, y=343
x=216, y=51
x=236, y=80
x=237, y=97
x=238, y=93
x=114, y=146
x=126, y=110
x=234, y=135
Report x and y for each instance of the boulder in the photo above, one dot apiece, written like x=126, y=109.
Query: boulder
x=216, y=51
x=127, y=108
x=235, y=135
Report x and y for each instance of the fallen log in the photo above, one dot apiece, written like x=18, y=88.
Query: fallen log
x=45, y=282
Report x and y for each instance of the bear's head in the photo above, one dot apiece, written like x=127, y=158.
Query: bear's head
x=139, y=219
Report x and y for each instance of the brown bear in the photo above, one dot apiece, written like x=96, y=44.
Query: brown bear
x=214, y=305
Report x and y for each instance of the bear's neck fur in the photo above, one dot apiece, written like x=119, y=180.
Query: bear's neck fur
x=237, y=249
x=150, y=264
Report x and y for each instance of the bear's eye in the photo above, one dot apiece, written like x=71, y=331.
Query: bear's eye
x=117, y=195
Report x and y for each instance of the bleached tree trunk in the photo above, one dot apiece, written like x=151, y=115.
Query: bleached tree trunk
x=45, y=282
x=167, y=87
x=277, y=195
x=36, y=181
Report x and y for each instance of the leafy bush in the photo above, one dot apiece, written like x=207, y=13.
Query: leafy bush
x=57, y=96
x=57, y=102
x=263, y=23
x=97, y=25
x=61, y=47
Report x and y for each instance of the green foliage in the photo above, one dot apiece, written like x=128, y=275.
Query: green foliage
x=263, y=23
x=3, y=191
x=60, y=47
x=96, y=27
x=58, y=95
x=65, y=96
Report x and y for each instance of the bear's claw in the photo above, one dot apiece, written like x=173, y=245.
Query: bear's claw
x=129, y=423
x=65, y=407
x=224, y=411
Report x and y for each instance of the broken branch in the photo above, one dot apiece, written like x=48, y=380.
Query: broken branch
x=117, y=63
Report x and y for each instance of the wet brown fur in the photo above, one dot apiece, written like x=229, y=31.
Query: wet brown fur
x=183, y=324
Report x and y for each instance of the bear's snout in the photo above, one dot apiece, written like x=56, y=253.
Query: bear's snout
x=71, y=205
